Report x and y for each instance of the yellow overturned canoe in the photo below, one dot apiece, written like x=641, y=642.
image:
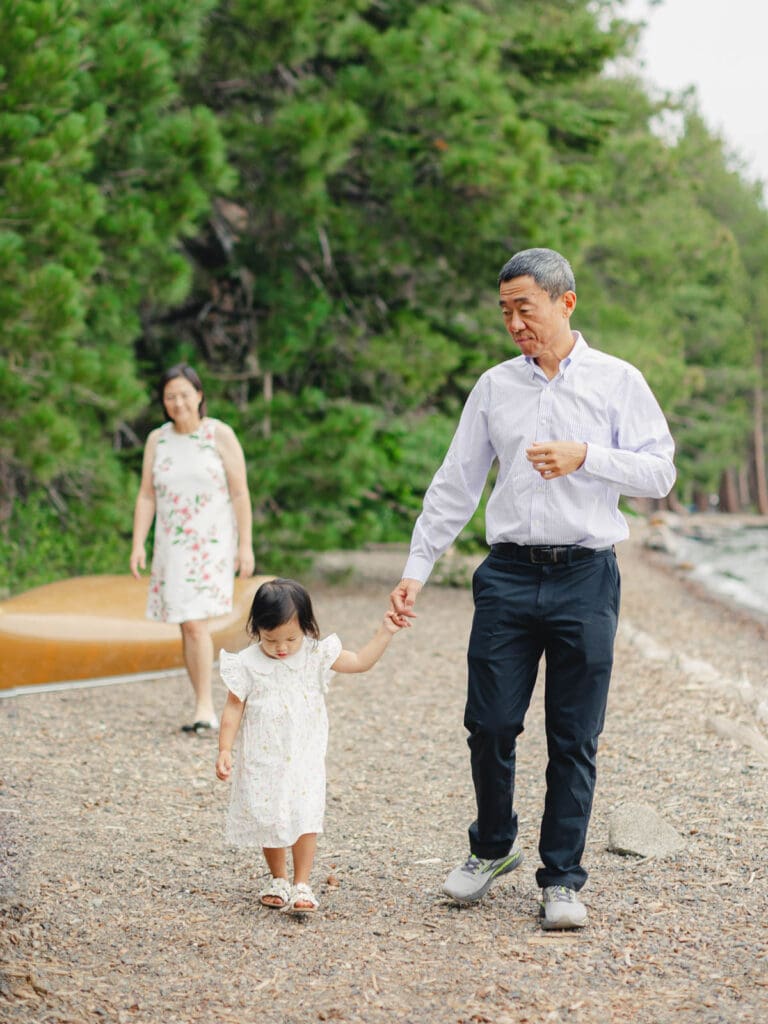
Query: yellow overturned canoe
x=90, y=627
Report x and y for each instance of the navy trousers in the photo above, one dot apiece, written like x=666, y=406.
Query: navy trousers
x=568, y=612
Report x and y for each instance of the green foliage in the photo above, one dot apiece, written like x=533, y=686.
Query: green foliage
x=389, y=157
x=53, y=534
x=48, y=213
x=664, y=288
x=310, y=202
x=104, y=170
x=334, y=473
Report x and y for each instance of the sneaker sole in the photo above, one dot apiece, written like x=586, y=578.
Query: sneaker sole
x=564, y=924
x=512, y=862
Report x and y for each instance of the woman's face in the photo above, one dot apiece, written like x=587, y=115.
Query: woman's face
x=182, y=401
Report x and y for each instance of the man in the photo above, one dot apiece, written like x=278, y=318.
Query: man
x=572, y=429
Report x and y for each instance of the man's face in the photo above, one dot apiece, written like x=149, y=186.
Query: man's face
x=538, y=323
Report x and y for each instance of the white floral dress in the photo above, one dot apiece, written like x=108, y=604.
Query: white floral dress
x=278, y=779
x=193, y=561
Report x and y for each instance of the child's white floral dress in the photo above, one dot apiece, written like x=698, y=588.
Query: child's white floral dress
x=278, y=778
x=193, y=561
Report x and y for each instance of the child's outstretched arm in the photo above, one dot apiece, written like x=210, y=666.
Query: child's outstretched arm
x=230, y=723
x=369, y=654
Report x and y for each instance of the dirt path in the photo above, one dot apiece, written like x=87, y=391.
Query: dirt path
x=119, y=902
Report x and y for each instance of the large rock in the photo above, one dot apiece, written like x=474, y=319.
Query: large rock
x=640, y=830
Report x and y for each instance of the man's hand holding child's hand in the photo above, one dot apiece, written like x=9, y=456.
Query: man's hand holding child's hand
x=393, y=622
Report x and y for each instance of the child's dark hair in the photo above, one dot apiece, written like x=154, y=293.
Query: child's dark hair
x=276, y=602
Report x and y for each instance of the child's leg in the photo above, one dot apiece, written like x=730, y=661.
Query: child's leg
x=303, y=857
x=276, y=862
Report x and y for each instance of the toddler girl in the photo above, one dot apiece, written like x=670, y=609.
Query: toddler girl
x=277, y=691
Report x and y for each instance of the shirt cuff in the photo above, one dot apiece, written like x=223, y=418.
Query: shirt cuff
x=595, y=461
x=417, y=568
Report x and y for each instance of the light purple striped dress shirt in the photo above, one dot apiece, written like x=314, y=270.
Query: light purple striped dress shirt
x=595, y=398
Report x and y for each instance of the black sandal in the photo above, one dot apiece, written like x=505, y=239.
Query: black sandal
x=199, y=728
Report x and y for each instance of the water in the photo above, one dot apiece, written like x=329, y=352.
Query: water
x=727, y=556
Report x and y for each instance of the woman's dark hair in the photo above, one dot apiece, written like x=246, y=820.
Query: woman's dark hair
x=276, y=602
x=185, y=371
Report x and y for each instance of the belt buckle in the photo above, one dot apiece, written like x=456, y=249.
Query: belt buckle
x=543, y=554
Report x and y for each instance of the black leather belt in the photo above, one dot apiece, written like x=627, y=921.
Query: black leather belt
x=546, y=554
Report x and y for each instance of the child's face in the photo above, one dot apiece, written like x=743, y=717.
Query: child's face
x=283, y=640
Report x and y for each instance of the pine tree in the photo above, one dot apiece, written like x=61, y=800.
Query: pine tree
x=103, y=171
x=390, y=156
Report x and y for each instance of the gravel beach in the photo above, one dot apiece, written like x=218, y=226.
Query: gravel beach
x=120, y=903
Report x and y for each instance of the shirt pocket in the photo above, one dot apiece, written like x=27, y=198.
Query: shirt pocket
x=592, y=432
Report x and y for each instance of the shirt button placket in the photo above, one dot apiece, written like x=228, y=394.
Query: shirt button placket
x=537, y=494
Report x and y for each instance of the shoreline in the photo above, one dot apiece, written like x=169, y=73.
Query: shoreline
x=668, y=535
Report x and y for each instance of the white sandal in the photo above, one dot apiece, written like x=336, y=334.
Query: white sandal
x=301, y=893
x=277, y=888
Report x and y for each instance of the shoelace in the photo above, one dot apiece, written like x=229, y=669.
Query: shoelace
x=561, y=894
x=473, y=865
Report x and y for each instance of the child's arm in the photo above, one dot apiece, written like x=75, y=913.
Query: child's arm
x=368, y=655
x=230, y=723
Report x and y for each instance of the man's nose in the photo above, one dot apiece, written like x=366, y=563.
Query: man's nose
x=517, y=323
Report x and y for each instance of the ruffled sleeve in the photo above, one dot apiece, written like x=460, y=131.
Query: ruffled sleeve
x=329, y=649
x=235, y=675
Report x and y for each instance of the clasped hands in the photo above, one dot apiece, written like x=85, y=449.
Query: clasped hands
x=556, y=458
x=402, y=600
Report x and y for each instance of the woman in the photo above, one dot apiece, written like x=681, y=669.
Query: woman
x=193, y=478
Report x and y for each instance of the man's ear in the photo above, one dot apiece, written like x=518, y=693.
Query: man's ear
x=569, y=303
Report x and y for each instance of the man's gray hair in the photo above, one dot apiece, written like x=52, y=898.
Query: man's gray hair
x=551, y=271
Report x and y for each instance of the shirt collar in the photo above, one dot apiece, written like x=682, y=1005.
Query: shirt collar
x=579, y=348
x=296, y=662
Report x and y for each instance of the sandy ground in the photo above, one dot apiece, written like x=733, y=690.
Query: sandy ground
x=120, y=903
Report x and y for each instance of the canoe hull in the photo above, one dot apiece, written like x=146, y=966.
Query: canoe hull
x=90, y=627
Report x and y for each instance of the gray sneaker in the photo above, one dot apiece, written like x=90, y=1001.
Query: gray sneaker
x=472, y=879
x=561, y=908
